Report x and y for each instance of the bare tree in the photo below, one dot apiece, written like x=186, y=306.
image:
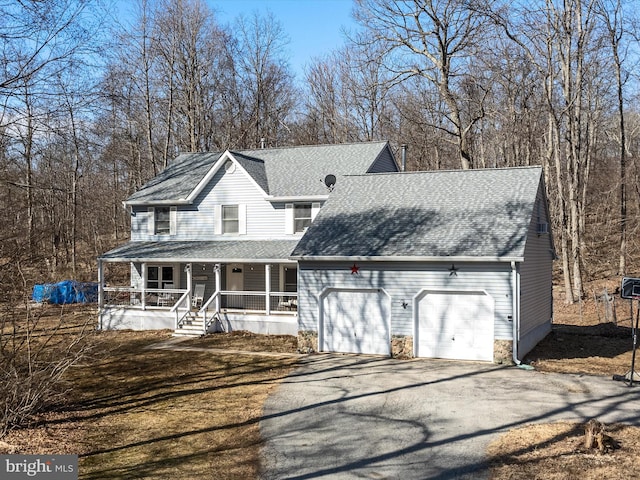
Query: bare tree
x=559, y=38
x=349, y=97
x=265, y=79
x=433, y=40
x=613, y=21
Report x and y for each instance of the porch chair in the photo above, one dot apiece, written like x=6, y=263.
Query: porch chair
x=164, y=298
x=198, y=296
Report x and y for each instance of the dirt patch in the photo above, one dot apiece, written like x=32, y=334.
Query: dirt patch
x=556, y=452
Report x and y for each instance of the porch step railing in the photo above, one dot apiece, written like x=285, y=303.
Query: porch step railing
x=183, y=304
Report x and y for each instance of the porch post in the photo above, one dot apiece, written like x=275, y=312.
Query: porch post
x=267, y=287
x=143, y=297
x=188, y=269
x=218, y=271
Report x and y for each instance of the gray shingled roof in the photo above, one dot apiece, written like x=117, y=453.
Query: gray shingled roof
x=298, y=171
x=280, y=172
x=471, y=213
x=202, y=251
x=255, y=168
x=178, y=180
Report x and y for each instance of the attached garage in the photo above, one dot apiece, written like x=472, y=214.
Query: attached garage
x=355, y=321
x=454, y=265
x=455, y=325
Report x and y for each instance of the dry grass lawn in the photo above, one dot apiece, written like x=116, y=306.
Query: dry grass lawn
x=583, y=341
x=134, y=412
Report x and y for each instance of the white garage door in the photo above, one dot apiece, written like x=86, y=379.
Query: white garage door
x=457, y=325
x=356, y=321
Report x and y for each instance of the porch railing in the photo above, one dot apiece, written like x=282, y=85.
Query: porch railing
x=131, y=297
x=178, y=301
x=183, y=304
x=231, y=300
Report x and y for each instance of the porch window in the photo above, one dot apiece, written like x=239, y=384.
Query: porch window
x=230, y=219
x=290, y=279
x=162, y=221
x=302, y=216
x=160, y=277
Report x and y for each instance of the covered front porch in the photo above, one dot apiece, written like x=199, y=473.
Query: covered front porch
x=170, y=288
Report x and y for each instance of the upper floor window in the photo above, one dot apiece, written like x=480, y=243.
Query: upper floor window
x=301, y=216
x=162, y=221
x=230, y=219
x=298, y=216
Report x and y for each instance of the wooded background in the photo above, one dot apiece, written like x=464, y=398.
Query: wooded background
x=91, y=107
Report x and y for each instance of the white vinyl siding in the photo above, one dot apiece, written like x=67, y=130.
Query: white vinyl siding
x=536, y=304
x=258, y=218
x=403, y=281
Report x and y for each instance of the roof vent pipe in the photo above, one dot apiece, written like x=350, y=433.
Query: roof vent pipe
x=404, y=157
x=262, y=142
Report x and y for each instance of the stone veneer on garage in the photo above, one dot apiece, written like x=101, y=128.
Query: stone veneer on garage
x=402, y=346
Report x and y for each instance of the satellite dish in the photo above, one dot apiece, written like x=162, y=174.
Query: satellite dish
x=330, y=181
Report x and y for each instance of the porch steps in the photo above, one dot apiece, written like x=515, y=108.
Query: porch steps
x=192, y=326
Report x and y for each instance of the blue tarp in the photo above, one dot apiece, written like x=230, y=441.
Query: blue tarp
x=67, y=291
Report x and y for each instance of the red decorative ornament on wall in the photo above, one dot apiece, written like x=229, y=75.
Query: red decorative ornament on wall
x=355, y=270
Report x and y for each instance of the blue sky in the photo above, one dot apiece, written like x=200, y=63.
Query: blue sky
x=314, y=27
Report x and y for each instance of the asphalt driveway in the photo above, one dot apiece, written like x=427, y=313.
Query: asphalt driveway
x=347, y=417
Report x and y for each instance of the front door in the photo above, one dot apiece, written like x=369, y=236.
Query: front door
x=235, y=282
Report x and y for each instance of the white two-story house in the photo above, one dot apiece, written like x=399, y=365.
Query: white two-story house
x=212, y=237
x=333, y=244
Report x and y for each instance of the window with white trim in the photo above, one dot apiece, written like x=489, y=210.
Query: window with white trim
x=162, y=221
x=301, y=216
x=160, y=277
x=230, y=219
x=298, y=216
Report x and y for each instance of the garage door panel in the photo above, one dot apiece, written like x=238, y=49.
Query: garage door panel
x=456, y=325
x=356, y=321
